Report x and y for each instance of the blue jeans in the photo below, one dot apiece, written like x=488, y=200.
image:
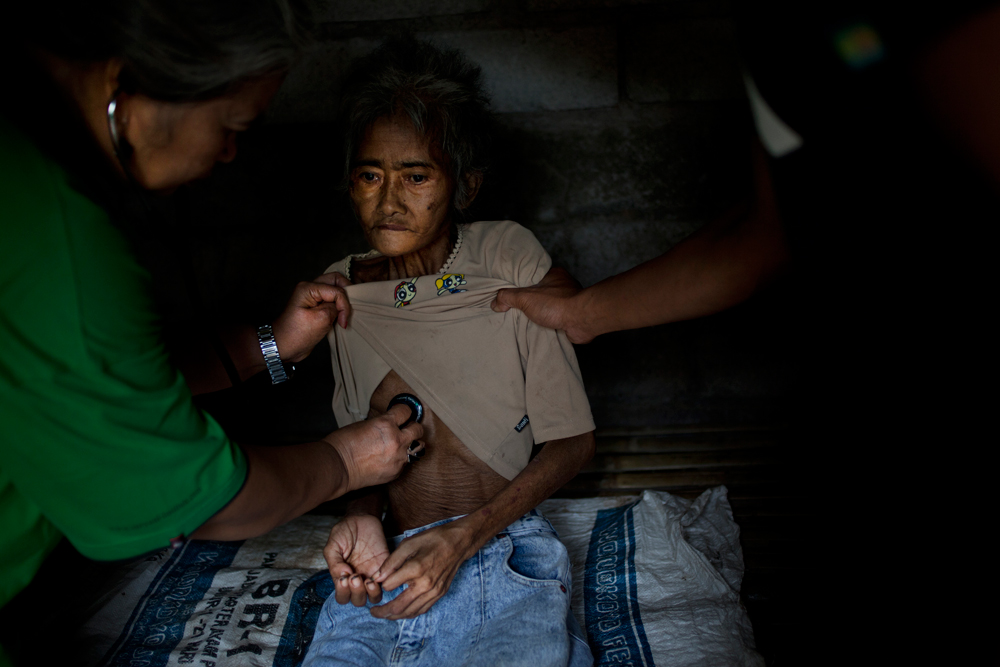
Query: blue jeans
x=508, y=605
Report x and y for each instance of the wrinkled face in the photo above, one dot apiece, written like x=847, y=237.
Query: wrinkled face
x=401, y=188
x=175, y=143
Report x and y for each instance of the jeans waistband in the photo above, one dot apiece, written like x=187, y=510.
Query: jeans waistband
x=533, y=520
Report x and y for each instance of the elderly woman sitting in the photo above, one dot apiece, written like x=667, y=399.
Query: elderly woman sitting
x=487, y=580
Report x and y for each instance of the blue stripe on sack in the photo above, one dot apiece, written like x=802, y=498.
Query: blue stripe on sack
x=171, y=559
x=157, y=622
x=611, y=605
x=303, y=614
x=637, y=626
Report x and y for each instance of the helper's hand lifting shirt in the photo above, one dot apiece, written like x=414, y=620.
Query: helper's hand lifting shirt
x=500, y=382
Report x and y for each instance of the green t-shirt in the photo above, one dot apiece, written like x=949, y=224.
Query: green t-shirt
x=99, y=439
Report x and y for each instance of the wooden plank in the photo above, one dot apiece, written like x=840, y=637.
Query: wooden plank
x=775, y=488
x=787, y=584
x=797, y=525
x=670, y=445
x=767, y=537
x=587, y=492
x=667, y=480
x=787, y=559
x=787, y=488
x=786, y=504
x=682, y=429
x=777, y=547
x=680, y=461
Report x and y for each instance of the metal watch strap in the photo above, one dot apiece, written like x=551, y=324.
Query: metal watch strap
x=270, y=349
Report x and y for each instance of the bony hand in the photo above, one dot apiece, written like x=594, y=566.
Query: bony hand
x=427, y=563
x=374, y=451
x=551, y=303
x=313, y=309
x=355, y=551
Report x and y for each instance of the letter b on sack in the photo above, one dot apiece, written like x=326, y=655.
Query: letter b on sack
x=271, y=589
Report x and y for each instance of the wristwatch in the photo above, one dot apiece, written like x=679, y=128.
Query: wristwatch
x=269, y=347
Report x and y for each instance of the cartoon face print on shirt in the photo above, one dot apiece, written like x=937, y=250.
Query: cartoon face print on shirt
x=450, y=282
x=405, y=291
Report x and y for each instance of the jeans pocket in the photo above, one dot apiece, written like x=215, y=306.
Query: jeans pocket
x=537, y=559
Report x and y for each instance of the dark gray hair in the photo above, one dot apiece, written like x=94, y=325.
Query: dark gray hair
x=439, y=91
x=174, y=50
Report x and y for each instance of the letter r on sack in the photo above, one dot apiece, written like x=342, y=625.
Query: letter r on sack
x=263, y=615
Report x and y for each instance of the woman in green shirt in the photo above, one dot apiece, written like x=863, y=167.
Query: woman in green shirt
x=99, y=439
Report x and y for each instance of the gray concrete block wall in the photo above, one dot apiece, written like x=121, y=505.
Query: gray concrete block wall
x=605, y=189
x=622, y=128
x=542, y=69
x=525, y=70
x=311, y=91
x=595, y=249
x=386, y=10
x=690, y=60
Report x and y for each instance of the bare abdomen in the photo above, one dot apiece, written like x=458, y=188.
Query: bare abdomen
x=448, y=480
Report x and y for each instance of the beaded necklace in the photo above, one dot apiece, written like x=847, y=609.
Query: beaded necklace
x=444, y=267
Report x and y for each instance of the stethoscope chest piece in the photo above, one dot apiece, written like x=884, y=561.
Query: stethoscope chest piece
x=416, y=415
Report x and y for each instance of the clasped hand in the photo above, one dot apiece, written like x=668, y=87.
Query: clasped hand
x=361, y=565
x=313, y=309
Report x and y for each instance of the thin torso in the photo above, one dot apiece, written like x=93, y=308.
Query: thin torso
x=449, y=479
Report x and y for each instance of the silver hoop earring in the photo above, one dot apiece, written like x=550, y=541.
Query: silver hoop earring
x=121, y=146
x=113, y=126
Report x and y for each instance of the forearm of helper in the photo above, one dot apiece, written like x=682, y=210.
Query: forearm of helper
x=282, y=483
x=372, y=501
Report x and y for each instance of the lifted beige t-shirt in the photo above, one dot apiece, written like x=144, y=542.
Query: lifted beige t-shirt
x=500, y=382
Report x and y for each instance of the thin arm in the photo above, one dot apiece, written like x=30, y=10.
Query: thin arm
x=719, y=266
x=557, y=463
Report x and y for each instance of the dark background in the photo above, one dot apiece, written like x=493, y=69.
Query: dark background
x=623, y=127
